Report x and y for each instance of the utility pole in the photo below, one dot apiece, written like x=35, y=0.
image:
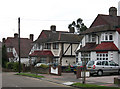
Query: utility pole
x=84, y=68
x=19, y=43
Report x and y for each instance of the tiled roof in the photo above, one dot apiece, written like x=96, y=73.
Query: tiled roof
x=103, y=23
x=58, y=36
x=25, y=45
x=106, y=46
x=44, y=53
x=88, y=47
x=10, y=55
x=118, y=30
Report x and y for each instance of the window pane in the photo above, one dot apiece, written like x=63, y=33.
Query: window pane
x=110, y=37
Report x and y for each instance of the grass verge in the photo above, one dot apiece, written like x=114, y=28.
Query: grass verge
x=91, y=86
x=30, y=75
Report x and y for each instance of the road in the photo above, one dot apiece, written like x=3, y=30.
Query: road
x=11, y=80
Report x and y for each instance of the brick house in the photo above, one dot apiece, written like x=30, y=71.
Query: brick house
x=11, y=44
x=51, y=45
x=102, y=40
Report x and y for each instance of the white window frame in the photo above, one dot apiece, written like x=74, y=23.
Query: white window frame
x=106, y=35
x=86, y=56
x=102, y=56
x=55, y=45
x=90, y=38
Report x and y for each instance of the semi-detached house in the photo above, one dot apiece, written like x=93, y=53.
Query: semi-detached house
x=102, y=40
x=51, y=46
x=11, y=44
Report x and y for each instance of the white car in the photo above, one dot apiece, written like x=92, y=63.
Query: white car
x=39, y=64
x=100, y=67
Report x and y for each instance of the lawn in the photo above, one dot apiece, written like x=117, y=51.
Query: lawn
x=91, y=86
x=30, y=75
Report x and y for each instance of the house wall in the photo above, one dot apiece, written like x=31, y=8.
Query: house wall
x=83, y=41
x=79, y=56
x=24, y=61
x=68, y=60
x=113, y=55
x=115, y=38
x=56, y=52
x=74, y=47
x=93, y=56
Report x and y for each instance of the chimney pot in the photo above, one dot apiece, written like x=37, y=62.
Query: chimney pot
x=15, y=35
x=53, y=28
x=71, y=29
x=113, y=11
x=31, y=37
x=3, y=40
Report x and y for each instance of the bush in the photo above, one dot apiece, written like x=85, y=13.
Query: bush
x=44, y=66
x=9, y=65
x=68, y=69
x=16, y=66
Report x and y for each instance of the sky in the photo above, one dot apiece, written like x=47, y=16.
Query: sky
x=38, y=15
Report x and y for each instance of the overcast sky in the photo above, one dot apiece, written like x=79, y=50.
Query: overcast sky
x=37, y=15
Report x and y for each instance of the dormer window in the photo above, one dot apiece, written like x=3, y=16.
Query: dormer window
x=107, y=37
x=90, y=38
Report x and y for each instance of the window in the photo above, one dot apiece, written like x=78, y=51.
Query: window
x=90, y=38
x=9, y=49
x=85, y=56
x=55, y=46
x=55, y=60
x=43, y=60
x=107, y=37
x=93, y=38
x=98, y=63
x=47, y=46
x=110, y=36
x=102, y=56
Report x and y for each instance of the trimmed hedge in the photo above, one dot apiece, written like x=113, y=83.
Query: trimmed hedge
x=13, y=65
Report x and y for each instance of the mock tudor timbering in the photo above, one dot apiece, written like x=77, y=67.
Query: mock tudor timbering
x=57, y=43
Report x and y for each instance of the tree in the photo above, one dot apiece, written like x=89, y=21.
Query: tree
x=78, y=25
x=4, y=56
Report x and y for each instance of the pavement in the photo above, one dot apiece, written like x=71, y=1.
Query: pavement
x=70, y=78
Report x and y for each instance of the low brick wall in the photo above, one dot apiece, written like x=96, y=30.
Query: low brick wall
x=40, y=70
x=117, y=80
x=7, y=70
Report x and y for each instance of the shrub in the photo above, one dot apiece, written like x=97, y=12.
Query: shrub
x=16, y=66
x=68, y=69
x=9, y=65
x=44, y=66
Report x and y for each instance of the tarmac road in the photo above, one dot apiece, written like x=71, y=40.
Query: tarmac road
x=11, y=80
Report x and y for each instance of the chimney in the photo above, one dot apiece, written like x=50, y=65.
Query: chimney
x=53, y=28
x=15, y=35
x=31, y=37
x=3, y=40
x=113, y=11
x=71, y=29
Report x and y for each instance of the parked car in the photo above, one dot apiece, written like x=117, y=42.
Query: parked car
x=74, y=67
x=39, y=64
x=100, y=67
